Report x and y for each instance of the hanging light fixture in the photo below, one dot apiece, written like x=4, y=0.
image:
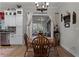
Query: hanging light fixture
x=41, y=6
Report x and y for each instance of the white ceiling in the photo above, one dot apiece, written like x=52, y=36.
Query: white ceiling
x=26, y=5
x=30, y=5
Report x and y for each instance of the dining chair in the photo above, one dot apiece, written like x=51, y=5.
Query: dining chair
x=55, y=46
x=26, y=44
x=41, y=46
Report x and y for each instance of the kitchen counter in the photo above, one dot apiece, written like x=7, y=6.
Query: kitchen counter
x=6, y=31
x=4, y=36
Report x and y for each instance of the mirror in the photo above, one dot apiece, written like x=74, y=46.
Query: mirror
x=41, y=23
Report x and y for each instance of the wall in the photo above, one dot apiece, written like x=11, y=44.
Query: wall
x=69, y=36
x=30, y=8
x=51, y=14
x=27, y=7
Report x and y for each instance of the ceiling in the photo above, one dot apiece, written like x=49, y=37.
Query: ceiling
x=26, y=5
x=31, y=5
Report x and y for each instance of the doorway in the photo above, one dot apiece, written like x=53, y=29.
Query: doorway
x=41, y=23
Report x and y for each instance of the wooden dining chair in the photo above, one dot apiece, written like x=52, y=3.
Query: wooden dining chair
x=26, y=44
x=55, y=46
x=40, y=46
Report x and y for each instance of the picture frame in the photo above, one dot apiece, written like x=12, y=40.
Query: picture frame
x=61, y=17
x=74, y=17
x=66, y=19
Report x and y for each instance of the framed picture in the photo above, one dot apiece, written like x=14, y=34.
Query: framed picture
x=10, y=13
x=61, y=17
x=74, y=18
x=14, y=13
x=66, y=19
x=1, y=15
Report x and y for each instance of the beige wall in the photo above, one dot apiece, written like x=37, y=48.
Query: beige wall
x=70, y=36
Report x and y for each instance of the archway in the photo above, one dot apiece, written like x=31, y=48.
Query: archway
x=41, y=22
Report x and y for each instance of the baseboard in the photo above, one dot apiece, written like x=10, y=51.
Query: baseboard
x=5, y=45
x=17, y=45
x=69, y=50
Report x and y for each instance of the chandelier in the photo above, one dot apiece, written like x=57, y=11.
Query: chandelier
x=41, y=6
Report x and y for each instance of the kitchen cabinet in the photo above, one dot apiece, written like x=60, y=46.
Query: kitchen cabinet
x=13, y=38
x=14, y=19
x=4, y=39
x=10, y=18
x=17, y=38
